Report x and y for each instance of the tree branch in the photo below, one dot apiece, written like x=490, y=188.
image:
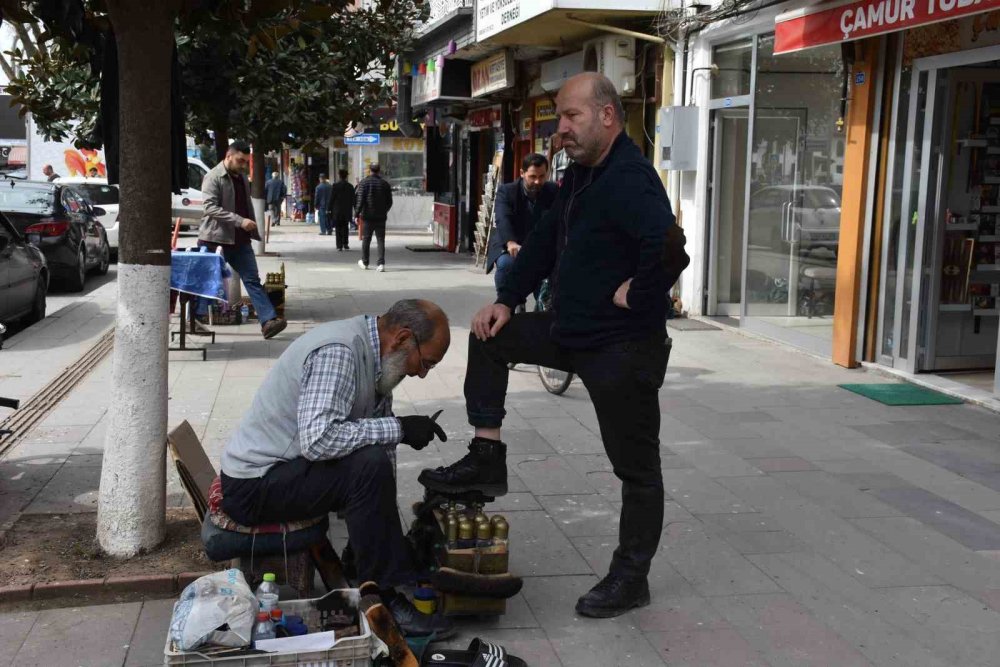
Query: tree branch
x=7, y=67
x=29, y=46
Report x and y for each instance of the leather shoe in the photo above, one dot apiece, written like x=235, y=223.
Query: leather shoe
x=273, y=327
x=613, y=596
x=413, y=623
x=483, y=469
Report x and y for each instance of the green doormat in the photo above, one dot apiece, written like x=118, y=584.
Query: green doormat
x=901, y=394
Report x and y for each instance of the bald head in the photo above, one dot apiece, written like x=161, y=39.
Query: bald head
x=590, y=117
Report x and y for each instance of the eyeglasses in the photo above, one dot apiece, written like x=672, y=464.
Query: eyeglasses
x=427, y=366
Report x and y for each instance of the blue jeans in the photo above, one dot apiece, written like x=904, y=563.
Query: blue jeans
x=244, y=262
x=324, y=226
x=502, y=269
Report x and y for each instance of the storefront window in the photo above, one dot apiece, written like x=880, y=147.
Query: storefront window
x=795, y=188
x=404, y=171
x=734, y=62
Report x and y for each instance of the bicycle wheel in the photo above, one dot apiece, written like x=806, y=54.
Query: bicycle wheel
x=555, y=381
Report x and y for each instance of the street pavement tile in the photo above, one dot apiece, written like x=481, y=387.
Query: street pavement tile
x=781, y=464
x=669, y=613
x=51, y=434
x=538, y=548
x=872, y=481
x=970, y=455
x=526, y=441
x=852, y=549
x=712, y=424
x=914, y=432
x=802, y=432
x=963, y=463
x=963, y=526
x=784, y=632
x=664, y=581
x=992, y=515
x=530, y=645
x=955, y=619
x=14, y=629
x=751, y=448
x=763, y=542
x=846, y=416
x=513, y=502
x=38, y=453
x=723, y=647
x=937, y=553
x=715, y=461
x=605, y=483
x=72, y=489
x=146, y=646
x=744, y=522
x=933, y=478
x=709, y=564
x=581, y=515
x=97, y=636
x=849, y=466
x=78, y=415
x=553, y=603
x=700, y=494
x=548, y=475
x=626, y=648
x=567, y=435
x=673, y=431
x=863, y=617
x=586, y=463
x=833, y=494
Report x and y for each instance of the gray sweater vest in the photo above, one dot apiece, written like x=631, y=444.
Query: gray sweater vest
x=269, y=431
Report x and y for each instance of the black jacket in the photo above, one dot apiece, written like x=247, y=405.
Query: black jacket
x=608, y=224
x=373, y=198
x=342, y=201
x=513, y=218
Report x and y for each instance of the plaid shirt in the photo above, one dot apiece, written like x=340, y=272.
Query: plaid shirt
x=328, y=388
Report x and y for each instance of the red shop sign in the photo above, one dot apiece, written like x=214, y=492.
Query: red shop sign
x=830, y=23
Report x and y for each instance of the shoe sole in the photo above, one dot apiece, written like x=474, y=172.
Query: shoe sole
x=276, y=330
x=600, y=612
x=485, y=489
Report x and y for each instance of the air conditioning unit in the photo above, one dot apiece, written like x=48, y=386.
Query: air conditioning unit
x=555, y=72
x=614, y=57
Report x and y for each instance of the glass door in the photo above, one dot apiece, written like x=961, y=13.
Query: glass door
x=730, y=134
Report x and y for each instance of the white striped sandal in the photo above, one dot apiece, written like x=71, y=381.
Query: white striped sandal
x=481, y=653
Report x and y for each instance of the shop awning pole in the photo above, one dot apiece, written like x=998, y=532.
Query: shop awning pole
x=616, y=30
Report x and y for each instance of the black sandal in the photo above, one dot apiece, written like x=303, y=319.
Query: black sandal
x=481, y=653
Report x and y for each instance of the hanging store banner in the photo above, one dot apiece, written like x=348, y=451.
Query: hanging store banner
x=495, y=16
x=831, y=23
x=493, y=74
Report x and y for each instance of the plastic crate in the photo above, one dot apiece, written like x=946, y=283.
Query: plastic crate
x=347, y=652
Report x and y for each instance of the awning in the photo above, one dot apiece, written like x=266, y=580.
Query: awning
x=848, y=20
x=18, y=155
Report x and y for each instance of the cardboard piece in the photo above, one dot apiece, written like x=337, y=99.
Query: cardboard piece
x=193, y=465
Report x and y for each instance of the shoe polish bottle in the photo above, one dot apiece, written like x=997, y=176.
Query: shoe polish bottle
x=501, y=532
x=466, y=534
x=484, y=534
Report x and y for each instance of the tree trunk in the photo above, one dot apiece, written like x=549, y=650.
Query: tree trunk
x=132, y=501
x=257, y=167
x=221, y=142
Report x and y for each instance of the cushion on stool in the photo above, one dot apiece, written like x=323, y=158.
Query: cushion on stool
x=223, y=521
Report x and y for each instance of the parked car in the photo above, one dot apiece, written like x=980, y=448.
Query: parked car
x=99, y=193
x=189, y=205
x=24, y=277
x=60, y=222
x=808, y=214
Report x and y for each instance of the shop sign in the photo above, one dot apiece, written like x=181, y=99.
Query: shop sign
x=493, y=74
x=481, y=118
x=545, y=110
x=427, y=87
x=857, y=19
x=495, y=16
x=369, y=139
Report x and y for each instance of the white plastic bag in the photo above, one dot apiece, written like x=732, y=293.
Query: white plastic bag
x=218, y=610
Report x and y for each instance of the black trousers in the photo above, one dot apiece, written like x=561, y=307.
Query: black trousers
x=340, y=227
x=376, y=227
x=361, y=486
x=623, y=380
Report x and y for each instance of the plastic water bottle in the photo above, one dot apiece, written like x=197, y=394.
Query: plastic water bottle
x=245, y=317
x=264, y=628
x=267, y=587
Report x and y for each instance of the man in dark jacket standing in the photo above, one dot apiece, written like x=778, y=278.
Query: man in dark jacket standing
x=605, y=237
x=341, y=208
x=321, y=200
x=274, y=194
x=514, y=214
x=372, y=202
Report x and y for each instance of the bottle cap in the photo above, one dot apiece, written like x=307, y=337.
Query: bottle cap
x=483, y=531
x=263, y=616
x=276, y=614
x=466, y=530
x=269, y=576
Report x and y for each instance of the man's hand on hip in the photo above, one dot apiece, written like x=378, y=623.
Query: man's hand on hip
x=249, y=226
x=513, y=247
x=419, y=430
x=621, y=295
x=489, y=320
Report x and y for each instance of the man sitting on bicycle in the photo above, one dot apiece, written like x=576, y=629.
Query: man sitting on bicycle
x=604, y=237
x=517, y=207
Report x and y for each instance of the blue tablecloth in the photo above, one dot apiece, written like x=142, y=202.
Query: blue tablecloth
x=199, y=273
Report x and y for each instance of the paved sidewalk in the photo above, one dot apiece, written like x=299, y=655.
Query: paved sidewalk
x=806, y=525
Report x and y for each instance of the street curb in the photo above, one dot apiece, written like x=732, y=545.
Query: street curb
x=155, y=583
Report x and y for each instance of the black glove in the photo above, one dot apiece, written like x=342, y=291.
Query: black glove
x=419, y=430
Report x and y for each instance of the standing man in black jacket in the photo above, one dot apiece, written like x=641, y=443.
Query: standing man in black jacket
x=517, y=206
x=604, y=236
x=372, y=203
x=341, y=208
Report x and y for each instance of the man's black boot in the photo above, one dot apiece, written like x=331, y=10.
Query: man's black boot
x=613, y=596
x=414, y=623
x=483, y=469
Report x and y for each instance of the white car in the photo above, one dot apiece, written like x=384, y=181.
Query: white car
x=103, y=197
x=189, y=205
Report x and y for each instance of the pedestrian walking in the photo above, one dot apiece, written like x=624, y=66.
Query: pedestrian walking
x=49, y=173
x=603, y=241
x=342, y=208
x=321, y=204
x=229, y=223
x=274, y=194
x=372, y=202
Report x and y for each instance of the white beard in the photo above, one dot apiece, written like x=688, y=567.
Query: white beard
x=393, y=372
